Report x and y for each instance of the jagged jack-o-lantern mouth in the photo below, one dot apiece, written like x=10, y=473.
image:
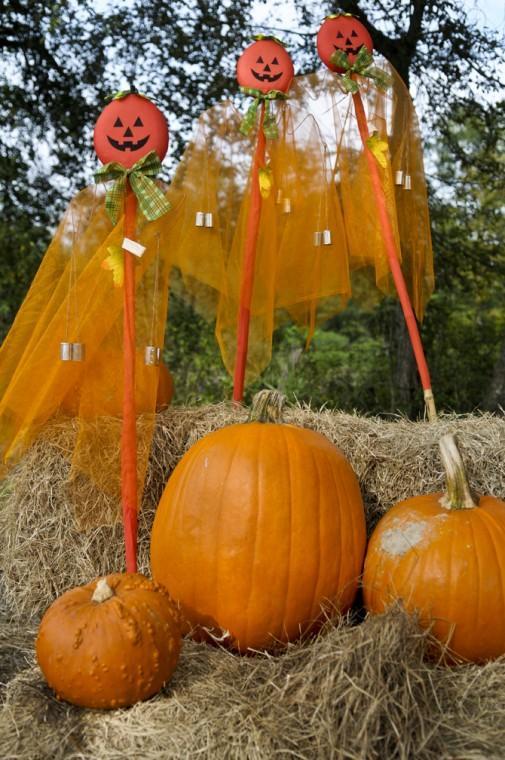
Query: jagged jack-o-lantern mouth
x=265, y=65
x=128, y=129
x=343, y=33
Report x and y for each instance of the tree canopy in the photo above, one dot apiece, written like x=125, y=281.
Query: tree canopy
x=58, y=62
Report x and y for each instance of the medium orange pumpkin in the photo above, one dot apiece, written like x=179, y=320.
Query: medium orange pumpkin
x=259, y=526
x=110, y=643
x=443, y=556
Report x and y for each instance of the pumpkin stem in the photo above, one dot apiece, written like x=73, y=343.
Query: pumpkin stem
x=458, y=494
x=102, y=591
x=267, y=406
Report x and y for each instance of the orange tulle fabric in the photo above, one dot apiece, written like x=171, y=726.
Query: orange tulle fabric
x=73, y=299
x=320, y=183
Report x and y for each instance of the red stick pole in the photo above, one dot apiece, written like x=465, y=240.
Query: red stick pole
x=394, y=262
x=129, y=428
x=246, y=289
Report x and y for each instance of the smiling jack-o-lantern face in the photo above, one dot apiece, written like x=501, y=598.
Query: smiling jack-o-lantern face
x=128, y=129
x=342, y=33
x=265, y=65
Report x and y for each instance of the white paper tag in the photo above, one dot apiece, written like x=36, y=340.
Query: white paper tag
x=133, y=247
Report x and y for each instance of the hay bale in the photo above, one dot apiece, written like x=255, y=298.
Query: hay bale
x=361, y=691
x=356, y=691
x=45, y=552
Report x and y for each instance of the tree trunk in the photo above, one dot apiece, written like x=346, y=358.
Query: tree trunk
x=495, y=396
x=406, y=393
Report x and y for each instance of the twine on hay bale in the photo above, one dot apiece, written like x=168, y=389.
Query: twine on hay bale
x=354, y=692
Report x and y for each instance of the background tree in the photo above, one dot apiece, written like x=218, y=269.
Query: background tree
x=59, y=61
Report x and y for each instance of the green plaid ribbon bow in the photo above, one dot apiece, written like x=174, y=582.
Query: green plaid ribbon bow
x=362, y=66
x=249, y=120
x=152, y=201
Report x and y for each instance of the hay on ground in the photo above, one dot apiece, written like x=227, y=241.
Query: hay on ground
x=363, y=692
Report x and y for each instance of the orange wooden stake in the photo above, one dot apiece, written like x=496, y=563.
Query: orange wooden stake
x=129, y=427
x=247, y=285
x=394, y=261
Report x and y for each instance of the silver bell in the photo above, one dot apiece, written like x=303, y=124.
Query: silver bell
x=152, y=356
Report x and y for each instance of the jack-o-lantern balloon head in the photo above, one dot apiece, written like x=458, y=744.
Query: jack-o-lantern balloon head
x=128, y=128
x=342, y=32
x=265, y=65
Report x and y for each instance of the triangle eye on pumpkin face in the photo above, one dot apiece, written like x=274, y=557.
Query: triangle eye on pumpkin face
x=118, y=122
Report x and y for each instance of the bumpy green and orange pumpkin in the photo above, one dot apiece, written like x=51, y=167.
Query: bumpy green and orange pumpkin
x=259, y=526
x=110, y=643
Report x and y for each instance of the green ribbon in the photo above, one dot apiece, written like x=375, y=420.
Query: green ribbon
x=362, y=66
x=269, y=123
x=258, y=37
x=152, y=201
x=124, y=93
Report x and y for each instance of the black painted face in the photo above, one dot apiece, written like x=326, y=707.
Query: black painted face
x=128, y=142
x=268, y=70
x=347, y=43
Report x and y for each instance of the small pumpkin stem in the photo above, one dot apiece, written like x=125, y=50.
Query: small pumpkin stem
x=267, y=406
x=458, y=494
x=102, y=591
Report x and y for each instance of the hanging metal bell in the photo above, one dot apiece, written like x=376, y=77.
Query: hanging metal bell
x=72, y=352
x=286, y=205
x=78, y=352
x=407, y=185
x=323, y=237
x=152, y=356
x=399, y=177
x=65, y=351
x=204, y=219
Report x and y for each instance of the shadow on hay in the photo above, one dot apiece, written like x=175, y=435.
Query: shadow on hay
x=364, y=691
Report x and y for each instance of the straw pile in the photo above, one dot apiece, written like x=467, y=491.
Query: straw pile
x=360, y=690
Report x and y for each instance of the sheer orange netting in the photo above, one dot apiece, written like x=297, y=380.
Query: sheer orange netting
x=320, y=241
x=73, y=300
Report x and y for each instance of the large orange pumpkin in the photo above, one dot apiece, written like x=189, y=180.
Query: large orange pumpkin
x=110, y=643
x=443, y=556
x=259, y=526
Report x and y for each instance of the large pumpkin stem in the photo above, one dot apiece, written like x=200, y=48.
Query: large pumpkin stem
x=267, y=406
x=102, y=591
x=458, y=494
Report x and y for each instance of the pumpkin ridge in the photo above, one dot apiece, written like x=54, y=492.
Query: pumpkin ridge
x=237, y=444
x=348, y=501
x=486, y=519
x=338, y=581
x=284, y=437
x=476, y=553
x=258, y=482
x=315, y=605
x=176, y=497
